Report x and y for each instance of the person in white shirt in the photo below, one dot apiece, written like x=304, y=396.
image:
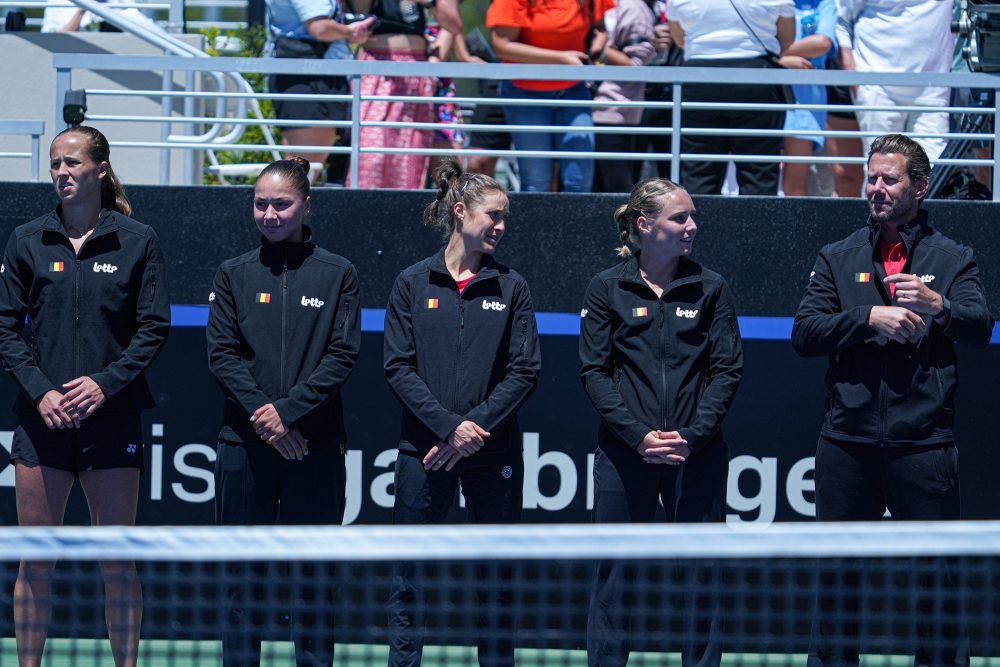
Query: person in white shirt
x=898, y=36
x=731, y=33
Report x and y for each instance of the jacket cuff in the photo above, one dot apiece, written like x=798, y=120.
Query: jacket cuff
x=37, y=385
x=635, y=435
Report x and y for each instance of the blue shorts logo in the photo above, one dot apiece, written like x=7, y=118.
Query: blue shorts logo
x=507, y=472
x=131, y=449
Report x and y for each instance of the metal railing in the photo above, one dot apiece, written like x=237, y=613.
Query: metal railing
x=33, y=128
x=676, y=78
x=173, y=15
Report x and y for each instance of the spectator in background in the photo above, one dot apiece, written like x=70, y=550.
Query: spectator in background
x=554, y=32
x=731, y=33
x=630, y=43
x=440, y=46
x=399, y=37
x=898, y=36
x=315, y=30
x=667, y=54
x=815, y=28
x=847, y=177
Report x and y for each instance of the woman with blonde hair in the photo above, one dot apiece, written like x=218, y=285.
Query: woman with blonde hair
x=661, y=361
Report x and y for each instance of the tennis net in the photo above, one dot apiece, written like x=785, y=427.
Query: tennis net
x=759, y=596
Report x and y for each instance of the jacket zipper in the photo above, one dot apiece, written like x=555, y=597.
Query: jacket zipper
x=882, y=391
x=663, y=369
x=76, y=317
x=284, y=309
x=458, y=356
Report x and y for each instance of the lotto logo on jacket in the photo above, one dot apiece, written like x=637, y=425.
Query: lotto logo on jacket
x=688, y=314
x=104, y=268
x=312, y=301
x=494, y=305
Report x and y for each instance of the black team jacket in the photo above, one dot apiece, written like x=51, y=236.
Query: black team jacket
x=104, y=313
x=668, y=364
x=452, y=357
x=883, y=393
x=284, y=328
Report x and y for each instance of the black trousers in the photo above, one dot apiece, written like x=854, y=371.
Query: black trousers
x=858, y=483
x=614, y=175
x=255, y=486
x=628, y=490
x=754, y=178
x=492, y=486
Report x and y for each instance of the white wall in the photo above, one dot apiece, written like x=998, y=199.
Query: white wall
x=29, y=85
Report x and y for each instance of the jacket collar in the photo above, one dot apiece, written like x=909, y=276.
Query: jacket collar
x=106, y=222
x=288, y=254
x=687, y=272
x=911, y=232
x=488, y=269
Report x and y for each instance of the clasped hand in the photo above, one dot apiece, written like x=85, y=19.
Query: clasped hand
x=904, y=322
x=82, y=398
x=467, y=439
x=664, y=447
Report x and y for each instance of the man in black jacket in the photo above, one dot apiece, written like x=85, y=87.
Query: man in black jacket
x=886, y=305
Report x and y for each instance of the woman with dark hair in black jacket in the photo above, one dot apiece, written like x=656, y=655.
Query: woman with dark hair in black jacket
x=461, y=355
x=661, y=360
x=83, y=312
x=283, y=337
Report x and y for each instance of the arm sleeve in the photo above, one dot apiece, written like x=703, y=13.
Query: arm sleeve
x=597, y=366
x=633, y=34
x=313, y=9
x=508, y=13
x=152, y=315
x=970, y=322
x=524, y=362
x=821, y=328
x=18, y=360
x=847, y=14
x=827, y=23
x=725, y=370
x=224, y=342
x=400, y=364
x=337, y=363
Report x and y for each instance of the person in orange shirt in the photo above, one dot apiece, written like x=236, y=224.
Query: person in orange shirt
x=554, y=32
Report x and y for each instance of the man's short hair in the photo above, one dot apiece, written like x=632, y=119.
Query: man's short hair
x=918, y=165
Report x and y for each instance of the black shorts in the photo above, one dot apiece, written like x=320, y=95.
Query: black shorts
x=489, y=114
x=295, y=84
x=103, y=441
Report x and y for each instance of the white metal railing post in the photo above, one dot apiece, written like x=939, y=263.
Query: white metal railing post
x=166, y=108
x=996, y=144
x=175, y=17
x=675, y=135
x=36, y=149
x=191, y=129
x=64, y=83
x=355, y=129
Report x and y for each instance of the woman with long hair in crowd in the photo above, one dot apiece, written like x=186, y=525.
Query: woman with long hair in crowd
x=661, y=361
x=83, y=312
x=461, y=356
x=283, y=337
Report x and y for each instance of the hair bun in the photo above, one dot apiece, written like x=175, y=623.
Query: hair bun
x=302, y=162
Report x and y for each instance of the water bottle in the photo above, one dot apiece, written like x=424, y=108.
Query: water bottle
x=809, y=20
